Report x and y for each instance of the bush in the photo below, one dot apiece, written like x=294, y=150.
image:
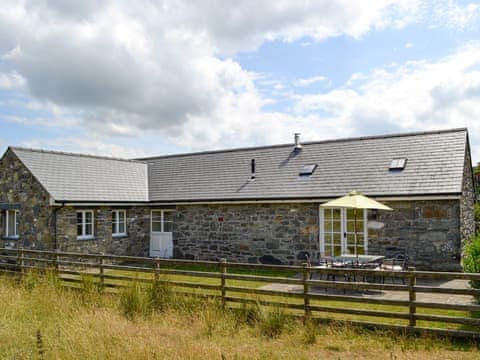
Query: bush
x=309, y=335
x=273, y=323
x=471, y=260
x=91, y=289
x=249, y=314
x=135, y=300
x=160, y=295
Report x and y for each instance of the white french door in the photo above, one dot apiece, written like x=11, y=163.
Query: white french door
x=337, y=232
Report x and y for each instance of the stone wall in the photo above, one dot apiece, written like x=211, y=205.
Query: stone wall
x=429, y=231
x=136, y=243
x=268, y=233
x=19, y=187
x=467, y=202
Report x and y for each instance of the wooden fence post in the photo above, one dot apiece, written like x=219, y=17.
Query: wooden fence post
x=412, y=296
x=57, y=262
x=223, y=272
x=22, y=262
x=102, y=272
x=157, y=269
x=306, y=290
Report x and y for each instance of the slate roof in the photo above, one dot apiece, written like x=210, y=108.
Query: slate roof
x=434, y=167
x=76, y=177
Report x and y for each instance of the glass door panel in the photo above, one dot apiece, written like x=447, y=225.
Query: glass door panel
x=338, y=232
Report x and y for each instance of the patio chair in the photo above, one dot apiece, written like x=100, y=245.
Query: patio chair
x=394, y=264
x=323, y=263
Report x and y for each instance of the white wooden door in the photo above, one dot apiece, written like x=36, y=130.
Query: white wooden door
x=161, y=245
x=161, y=235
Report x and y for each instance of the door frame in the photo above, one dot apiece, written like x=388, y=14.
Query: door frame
x=343, y=228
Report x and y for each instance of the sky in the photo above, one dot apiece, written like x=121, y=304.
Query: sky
x=138, y=78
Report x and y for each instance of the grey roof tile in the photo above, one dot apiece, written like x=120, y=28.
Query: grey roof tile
x=75, y=177
x=435, y=166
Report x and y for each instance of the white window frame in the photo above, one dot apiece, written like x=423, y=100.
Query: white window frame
x=15, y=230
x=84, y=223
x=343, y=223
x=162, y=222
x=116, y=222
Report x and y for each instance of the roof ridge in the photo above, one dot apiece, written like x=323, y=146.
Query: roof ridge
x=347, y=139
x=74, y=154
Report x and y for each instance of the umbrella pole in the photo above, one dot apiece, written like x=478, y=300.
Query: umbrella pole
x=355, y=231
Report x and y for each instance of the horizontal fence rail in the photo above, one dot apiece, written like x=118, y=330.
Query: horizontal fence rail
x=327, y=294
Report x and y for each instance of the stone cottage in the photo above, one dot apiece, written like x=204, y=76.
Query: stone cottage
x=256, y=204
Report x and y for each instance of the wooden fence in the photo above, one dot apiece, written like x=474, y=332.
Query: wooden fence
x=347, y=295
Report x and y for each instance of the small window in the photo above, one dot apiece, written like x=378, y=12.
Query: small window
x=398, y=164
x=119, y=223
x=85, y=224
x=162, y=221
x=11, y=224
x=308, y=169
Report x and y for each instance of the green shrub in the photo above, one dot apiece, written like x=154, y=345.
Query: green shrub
x=249, y=314
x=273, y=322
x=160, y=295
x=91, y=290
x=471, y=260
x=134, y=301
x=309, y=335
x=30, y=280
x=477, y=212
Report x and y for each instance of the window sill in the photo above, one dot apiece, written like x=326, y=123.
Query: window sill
x=82, y=238
x=10, y=237
x=117, y=236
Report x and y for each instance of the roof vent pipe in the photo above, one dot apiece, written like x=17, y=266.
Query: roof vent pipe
x=252, y=169
x=298, y=146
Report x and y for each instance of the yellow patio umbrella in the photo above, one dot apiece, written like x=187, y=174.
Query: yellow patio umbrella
x=355, y=200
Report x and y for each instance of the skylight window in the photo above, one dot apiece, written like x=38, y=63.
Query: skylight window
x=308, y=169
x=398, y=164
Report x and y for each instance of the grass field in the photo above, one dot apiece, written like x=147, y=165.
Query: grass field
x=42, y=320
x=277, y=273
x=282, y=273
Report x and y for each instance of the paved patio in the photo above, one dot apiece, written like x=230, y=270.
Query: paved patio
x=391, y=295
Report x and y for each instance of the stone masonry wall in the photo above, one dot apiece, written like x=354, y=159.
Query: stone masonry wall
x=467, y=202
x=18, y=186
x=429, y=231
x=136, y=243
x=268, y=233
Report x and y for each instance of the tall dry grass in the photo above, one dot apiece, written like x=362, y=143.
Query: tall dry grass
x=41, y=320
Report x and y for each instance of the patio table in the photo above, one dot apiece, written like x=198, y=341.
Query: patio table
x=360, y=259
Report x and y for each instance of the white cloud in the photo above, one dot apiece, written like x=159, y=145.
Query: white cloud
x=312, y=80
x=409, y=45
x=122, y=66
x=11, y=80
x=453, y=15
x=86, y=145
x=412, y=96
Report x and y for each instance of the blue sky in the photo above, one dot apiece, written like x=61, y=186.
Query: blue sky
x=130, y=80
